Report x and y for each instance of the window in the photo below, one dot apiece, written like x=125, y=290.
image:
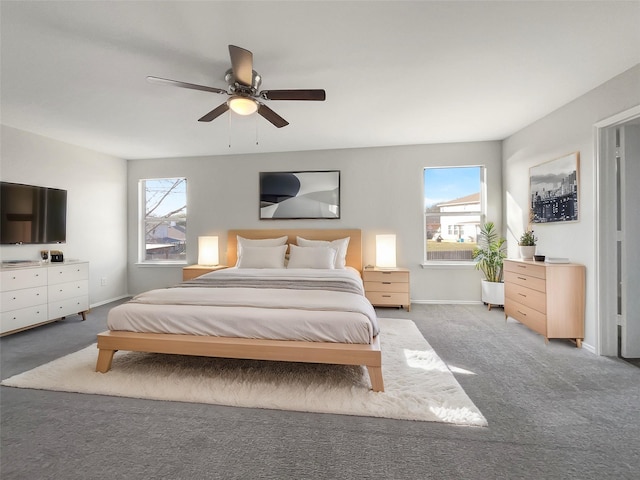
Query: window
x=163, y=220
x=453, y=212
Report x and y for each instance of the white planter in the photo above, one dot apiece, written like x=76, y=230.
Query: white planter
x=527, y=253
x=492, y=293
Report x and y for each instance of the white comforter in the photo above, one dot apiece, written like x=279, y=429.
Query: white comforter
x=281, y=313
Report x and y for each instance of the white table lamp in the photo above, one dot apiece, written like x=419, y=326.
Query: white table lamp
x=208, y=251
x=386, y=251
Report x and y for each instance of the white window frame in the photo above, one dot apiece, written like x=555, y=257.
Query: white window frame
x=142, y=223
x=482, y=214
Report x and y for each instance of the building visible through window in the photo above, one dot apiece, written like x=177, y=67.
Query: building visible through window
x=454, y=212
x=163, y=226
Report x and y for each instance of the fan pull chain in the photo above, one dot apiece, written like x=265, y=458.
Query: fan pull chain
x=255, y=118
x=229, y=130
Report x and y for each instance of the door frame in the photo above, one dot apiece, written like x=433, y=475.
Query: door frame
x=605, y=234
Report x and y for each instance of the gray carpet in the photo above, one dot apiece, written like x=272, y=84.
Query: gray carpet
x=554, y=412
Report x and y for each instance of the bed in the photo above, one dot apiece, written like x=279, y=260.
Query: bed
x=293, y=314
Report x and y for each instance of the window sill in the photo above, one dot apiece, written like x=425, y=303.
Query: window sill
x=169, y=263
x=448, y=265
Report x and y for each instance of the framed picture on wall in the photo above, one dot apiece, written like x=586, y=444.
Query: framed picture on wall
x=299, y=195
x=554, y=190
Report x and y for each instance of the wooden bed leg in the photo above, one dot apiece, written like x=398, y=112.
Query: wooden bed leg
x=105, y=357
x=375, y=375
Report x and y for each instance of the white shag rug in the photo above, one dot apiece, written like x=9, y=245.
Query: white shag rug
x=418, y=384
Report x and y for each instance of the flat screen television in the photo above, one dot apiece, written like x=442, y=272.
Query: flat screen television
x=32, y=215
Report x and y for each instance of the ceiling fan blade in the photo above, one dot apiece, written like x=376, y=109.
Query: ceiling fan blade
x=215, y=113
x=272, y=116
x=241, y=64
x=175, y=83
x=316, y=95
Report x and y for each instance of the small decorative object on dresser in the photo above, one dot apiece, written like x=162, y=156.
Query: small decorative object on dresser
x=387, y=287
x=527, y=245
x=193, y=271
x=547, y=298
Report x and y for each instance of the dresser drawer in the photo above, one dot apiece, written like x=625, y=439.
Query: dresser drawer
x=17, y=299
x=68, y=290
x=386, y=287
x=528, y=281
x=68, y=306
x=526, y=296
x=68, y=273
x=23, y=278
x=20, y=319
x=525, y=268
x=533, y=319
x=382, y=276
x=393, y=299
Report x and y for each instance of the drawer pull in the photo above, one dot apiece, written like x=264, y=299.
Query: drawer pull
x=522, y=295
x=522, y=313
x=386, y=283
x=386, y=273
x=522, y=278
x=522, y=266
x=386, y=296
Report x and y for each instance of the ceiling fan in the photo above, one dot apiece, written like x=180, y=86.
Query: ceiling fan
x=243, y=85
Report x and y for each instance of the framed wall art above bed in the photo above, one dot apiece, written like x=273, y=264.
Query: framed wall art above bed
x=300, y=195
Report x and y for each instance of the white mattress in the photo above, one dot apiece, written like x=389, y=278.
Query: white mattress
x=307, y=314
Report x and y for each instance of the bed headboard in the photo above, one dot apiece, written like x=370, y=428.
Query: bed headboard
x=354, y=251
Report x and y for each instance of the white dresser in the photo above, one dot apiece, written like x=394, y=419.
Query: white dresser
x=36, y=294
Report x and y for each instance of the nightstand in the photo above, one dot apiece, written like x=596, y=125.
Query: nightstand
x=193, y=271
x=387, y=287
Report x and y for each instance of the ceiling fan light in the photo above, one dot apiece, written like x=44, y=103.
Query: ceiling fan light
x=243, y=105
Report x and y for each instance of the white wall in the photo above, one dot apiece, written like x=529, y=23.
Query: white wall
x=568, y=129
x=96, y=205
x=381, y=192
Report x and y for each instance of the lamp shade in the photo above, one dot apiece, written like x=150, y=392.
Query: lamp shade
x=242, y=105
x=386, y=251
x=208, y=251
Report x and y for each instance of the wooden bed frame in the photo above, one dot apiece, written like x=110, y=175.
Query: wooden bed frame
x=369, y=355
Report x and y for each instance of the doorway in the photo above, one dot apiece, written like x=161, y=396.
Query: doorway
x=618, y=221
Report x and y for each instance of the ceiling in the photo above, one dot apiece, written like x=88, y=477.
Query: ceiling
x=395, y=73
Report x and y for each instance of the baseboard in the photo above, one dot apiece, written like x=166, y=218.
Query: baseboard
x=589, y=348
x=447, y=302
x=104, y=302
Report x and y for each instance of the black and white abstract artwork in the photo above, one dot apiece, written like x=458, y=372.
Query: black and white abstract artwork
x=554, y=190
x=297, y=195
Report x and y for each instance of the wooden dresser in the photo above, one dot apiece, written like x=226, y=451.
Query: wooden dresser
x=387, y=287
x=547, y=298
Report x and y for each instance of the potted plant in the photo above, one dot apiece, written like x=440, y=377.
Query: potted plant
x=527, y=245
x=489, y=254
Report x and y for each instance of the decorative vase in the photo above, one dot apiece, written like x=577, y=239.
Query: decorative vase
x=527, y=252
x=492, y=293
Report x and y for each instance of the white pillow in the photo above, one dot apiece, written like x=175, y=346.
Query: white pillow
x=262, y=242
x=340, y=245
x=262, y=257
x=311, y=257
